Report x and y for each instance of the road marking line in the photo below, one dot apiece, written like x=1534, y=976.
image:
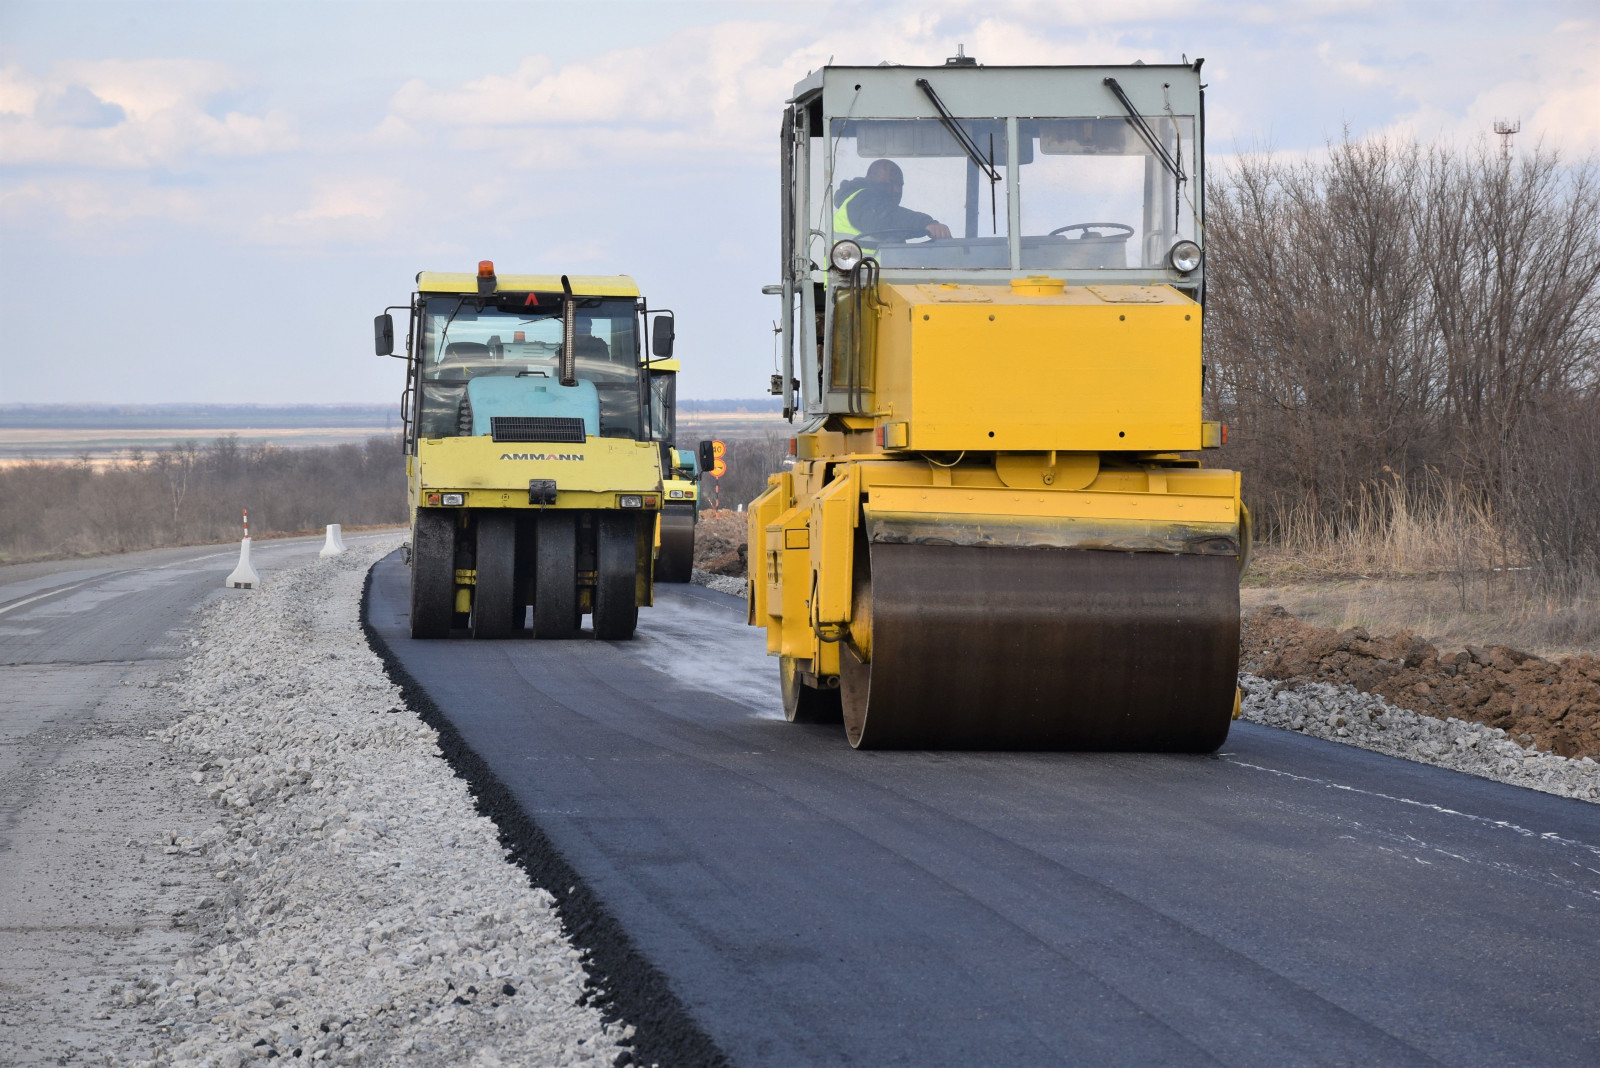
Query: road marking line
x=1546, y=836
x=24, y=602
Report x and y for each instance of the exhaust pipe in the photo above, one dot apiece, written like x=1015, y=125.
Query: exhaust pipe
x=569, y=332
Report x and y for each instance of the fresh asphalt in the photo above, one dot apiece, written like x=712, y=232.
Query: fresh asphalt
x=1285, y=901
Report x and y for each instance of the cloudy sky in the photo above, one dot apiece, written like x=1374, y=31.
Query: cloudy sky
x=209, y=201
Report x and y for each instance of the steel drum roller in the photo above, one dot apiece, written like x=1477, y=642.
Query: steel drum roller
x=1008, y=648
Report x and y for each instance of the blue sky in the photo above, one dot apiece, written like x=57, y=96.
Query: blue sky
x=210, y=201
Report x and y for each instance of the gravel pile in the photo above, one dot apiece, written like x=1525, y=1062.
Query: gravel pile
x=1342, y=713
x=363, y=911
x=733, y=584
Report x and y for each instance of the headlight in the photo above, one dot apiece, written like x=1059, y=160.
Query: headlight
x=846, y=255
x=630, y=500
x=453, y=500
x=1184, y=257
x=675, y=493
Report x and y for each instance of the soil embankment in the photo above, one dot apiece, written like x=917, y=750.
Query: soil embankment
x=719, y=543
x=1553, y=705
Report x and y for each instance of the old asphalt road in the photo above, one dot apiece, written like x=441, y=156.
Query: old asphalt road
x=84, y=792
x=1287, y=901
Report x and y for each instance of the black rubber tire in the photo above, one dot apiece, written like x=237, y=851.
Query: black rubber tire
x=495, y=593
x=676, y=561
x=616, y=550
x=806, y=704
x=433, y=573
x=555, y=583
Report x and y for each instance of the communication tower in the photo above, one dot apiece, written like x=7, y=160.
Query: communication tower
x=1506, y=129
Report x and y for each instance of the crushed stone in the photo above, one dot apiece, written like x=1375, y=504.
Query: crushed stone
x=734, y=584
x=363, y=911
x=1341, y=713
x=1553, y=706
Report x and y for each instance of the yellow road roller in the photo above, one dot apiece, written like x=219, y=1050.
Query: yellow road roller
x=680, y=489
x=532, y=463
x=995, y=533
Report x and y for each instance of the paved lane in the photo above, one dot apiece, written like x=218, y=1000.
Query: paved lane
x=1285, y=901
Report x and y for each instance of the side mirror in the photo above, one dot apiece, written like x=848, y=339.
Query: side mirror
x=708, y=455
x=661, y=336
x=383, y=334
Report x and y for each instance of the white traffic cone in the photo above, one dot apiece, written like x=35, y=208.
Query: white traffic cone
x=334, y=545
x=244, y=576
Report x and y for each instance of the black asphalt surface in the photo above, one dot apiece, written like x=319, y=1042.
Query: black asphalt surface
x=1286, y=901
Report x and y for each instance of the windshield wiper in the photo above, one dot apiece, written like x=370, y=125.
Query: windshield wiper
x=444, y=335
x=958, y=132
x=964, y=139
x=1137, y=121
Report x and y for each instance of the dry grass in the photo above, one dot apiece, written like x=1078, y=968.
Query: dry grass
x=1433, y=560
x=1501, y=610
x=1390, y=529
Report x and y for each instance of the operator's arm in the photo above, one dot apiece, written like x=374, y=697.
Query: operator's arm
x=874, y=215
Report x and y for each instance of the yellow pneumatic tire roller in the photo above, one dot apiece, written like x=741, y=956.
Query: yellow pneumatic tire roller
x=977, y=647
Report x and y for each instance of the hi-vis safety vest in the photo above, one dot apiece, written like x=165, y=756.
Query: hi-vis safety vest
x=841, y=217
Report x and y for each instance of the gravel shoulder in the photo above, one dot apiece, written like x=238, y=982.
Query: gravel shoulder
x=303, y=874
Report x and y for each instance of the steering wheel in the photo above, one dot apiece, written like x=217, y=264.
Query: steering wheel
x=1127, y=231
x=895, y=235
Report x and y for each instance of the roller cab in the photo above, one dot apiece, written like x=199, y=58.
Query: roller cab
x=998, y=532
x=533, y=463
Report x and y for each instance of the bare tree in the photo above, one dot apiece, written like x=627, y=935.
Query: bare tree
x=1513, y=250
x=1387, y=311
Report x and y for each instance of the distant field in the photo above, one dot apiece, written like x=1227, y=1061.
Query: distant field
x=104, y=446
x=693, y=425
x=105, y=433
x=48, y=432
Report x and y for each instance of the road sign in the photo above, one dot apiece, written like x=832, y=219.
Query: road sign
x=720, y=467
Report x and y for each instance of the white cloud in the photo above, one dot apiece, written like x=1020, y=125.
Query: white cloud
x=129, y=114
x=1554, y=96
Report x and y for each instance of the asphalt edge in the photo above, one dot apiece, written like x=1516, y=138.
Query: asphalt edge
x=628, y=987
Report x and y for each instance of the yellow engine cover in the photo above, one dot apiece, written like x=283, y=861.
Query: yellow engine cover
x=1089, y=368
x=495, y=474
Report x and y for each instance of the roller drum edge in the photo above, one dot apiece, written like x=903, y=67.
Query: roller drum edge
x=988, y=648
x=802, y=703
x=676, y=562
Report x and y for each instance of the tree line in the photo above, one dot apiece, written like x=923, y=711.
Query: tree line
x=193, y=493
x=1428, y=317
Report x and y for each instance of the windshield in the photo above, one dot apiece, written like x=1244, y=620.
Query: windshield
x=908, y=192
x=519, y=335
x=1091, y=193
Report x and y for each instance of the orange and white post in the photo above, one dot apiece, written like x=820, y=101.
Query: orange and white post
x=244, y=576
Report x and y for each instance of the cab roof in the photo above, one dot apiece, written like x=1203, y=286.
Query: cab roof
x=589, y=285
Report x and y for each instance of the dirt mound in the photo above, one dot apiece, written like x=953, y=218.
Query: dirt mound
x=1552, y=705
x=719, y=543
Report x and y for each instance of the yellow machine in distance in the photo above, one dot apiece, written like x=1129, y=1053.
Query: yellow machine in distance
x=680, y=503
x=991, y=536
x=534, y=473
